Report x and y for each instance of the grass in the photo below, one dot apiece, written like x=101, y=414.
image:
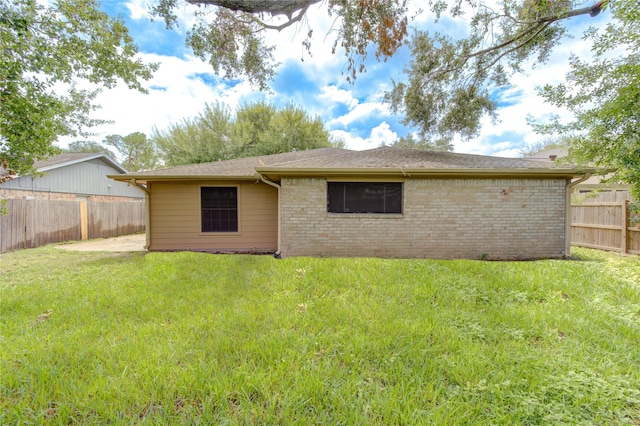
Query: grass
x=190, y=338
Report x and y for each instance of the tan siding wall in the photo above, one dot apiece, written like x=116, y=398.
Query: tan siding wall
x=176, y=225
x=442, y=218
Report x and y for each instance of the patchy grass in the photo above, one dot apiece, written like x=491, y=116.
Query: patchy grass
x=95, y=338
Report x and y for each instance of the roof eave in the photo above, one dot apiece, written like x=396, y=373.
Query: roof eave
x=277, y=172
x=104, y=157
x=143, y=179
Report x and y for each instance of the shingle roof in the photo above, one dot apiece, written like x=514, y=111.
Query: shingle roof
x=333, y=159
x=241, y=166
x=69, y=158
x=394, y=158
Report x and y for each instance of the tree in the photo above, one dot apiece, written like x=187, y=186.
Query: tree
x=604, y=96
x=137, y=151
x=410, y=141
x=43, y=46
x=450, y=82
x=261, y=129
x=89, y=146
x=232, y=40
x=205, y=138
x=256, y=129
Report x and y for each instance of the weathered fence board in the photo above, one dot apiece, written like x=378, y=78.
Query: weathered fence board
x=113, y=219
x=605, y=226
x=34, y=222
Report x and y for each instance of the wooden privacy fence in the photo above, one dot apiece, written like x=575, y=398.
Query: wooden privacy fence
x=604, y=226
x=33, y=222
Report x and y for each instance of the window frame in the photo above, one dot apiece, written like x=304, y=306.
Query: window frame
x=237, y=210
x=362, y=183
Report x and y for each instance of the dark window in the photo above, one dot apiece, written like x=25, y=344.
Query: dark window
x=219, y=209
x=364, y=197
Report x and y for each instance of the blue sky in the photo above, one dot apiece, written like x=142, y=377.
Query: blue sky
x=355, y=112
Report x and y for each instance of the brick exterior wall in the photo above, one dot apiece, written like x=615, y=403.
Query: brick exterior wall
x=442, y=218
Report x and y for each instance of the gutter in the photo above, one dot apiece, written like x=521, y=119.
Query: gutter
x=567, y=211
x=147, y=212
x=276, y=172
x=278, y=188
x=182, y=178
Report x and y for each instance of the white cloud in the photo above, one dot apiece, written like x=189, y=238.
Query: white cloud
x=379, y=135
x=359, y=112
x=138, y=9
x=176, y=92
x=382, y=134
x=333, y=94
x=510, y=153
x=185, y=13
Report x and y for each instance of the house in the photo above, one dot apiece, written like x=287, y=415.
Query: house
x=593, y=188
x=384, y=202
x=69, y=198
x=72, y=176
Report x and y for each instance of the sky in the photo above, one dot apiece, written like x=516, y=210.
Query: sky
x=356, y=113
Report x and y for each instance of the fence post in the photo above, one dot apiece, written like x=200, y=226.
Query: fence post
x=625, y=226
x=84, y=225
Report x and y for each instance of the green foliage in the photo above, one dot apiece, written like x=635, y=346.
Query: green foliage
x=261, y=129
x=604, y=95
x=43, y=47
x=257, y=129
x=410, y=141
x=138, y=152
x=192, y=338
x=205, y=138
x=89, y=146
x=451, y=83
x=231, y=37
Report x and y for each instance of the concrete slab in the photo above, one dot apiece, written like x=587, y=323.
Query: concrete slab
x=125, y=243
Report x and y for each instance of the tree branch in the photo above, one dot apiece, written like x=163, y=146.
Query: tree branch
x=513, y=49
x=591, y=10
x=290, y=22
x=280, y=7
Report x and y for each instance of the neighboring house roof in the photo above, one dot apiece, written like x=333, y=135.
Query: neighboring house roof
x=553, y=154
x=81, y=174
x=550, y=154
x=385, y=161
x=67, y=159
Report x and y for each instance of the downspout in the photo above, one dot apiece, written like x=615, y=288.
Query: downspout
x=567, y=209
x=147, y=212
x=277, y=187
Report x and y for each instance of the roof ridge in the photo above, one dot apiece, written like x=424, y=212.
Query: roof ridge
x=328, y=155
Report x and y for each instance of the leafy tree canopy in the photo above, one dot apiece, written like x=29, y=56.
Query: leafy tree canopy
x=89, y=146
x=137, y=152
x=231, y=33
x=413, y=142
x=256, y=129
x=451, y=83
x=603, y=94
x=43, y=46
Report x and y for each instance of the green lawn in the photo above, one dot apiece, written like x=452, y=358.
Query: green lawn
x=219, y=339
